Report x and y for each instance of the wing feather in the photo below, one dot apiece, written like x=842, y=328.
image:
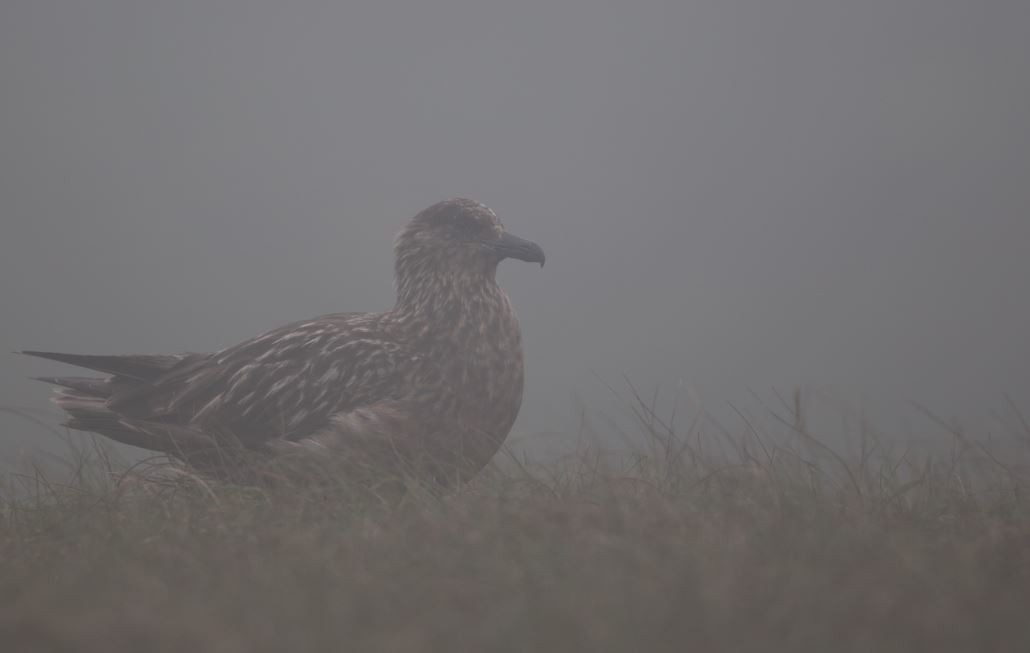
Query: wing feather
x=284, y=384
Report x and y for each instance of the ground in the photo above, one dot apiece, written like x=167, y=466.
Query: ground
x=772, y=545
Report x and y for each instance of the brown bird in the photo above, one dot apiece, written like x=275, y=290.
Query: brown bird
x=437, y=379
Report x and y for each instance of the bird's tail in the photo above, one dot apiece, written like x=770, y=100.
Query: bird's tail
x=85, y=400
x=85, y=386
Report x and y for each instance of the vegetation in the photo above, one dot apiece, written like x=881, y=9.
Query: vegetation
x=771, y=540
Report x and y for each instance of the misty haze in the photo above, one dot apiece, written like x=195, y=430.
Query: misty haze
x=762, y=219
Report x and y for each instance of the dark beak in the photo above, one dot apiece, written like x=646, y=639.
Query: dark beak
x=508, y=246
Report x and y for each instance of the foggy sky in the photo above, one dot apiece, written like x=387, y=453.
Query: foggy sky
x=731, y=195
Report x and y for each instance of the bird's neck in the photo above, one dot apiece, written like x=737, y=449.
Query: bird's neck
x=448, y=302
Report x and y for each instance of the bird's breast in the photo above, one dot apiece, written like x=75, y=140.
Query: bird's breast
x=480, y=362
x=467, y=373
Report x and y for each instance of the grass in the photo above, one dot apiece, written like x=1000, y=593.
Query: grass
x=698, y=540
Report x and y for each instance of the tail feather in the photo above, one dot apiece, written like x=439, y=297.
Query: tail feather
x=94, y=404
x=89, y=386
x=114, y=429
x=141, y=367
x=91, y=414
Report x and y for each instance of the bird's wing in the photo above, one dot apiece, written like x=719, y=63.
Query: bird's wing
x=132, y=366
x=284, y=384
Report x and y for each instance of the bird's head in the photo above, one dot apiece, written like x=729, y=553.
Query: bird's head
x=457, y=239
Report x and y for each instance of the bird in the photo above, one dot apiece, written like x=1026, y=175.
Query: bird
x=435, y=381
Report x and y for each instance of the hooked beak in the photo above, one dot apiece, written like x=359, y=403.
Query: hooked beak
x=508, y=246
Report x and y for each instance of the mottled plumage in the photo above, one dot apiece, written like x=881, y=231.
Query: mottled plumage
x=438, y=377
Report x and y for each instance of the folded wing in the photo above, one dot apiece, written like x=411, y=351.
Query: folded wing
x=284, y=385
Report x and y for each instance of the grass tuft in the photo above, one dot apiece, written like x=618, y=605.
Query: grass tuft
x=771, y=539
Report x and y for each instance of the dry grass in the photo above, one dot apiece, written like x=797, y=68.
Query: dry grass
x=768, y=541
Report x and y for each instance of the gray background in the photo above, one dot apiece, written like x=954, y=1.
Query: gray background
x=732, y=195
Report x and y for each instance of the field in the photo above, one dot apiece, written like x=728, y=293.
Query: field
x=699, y=540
